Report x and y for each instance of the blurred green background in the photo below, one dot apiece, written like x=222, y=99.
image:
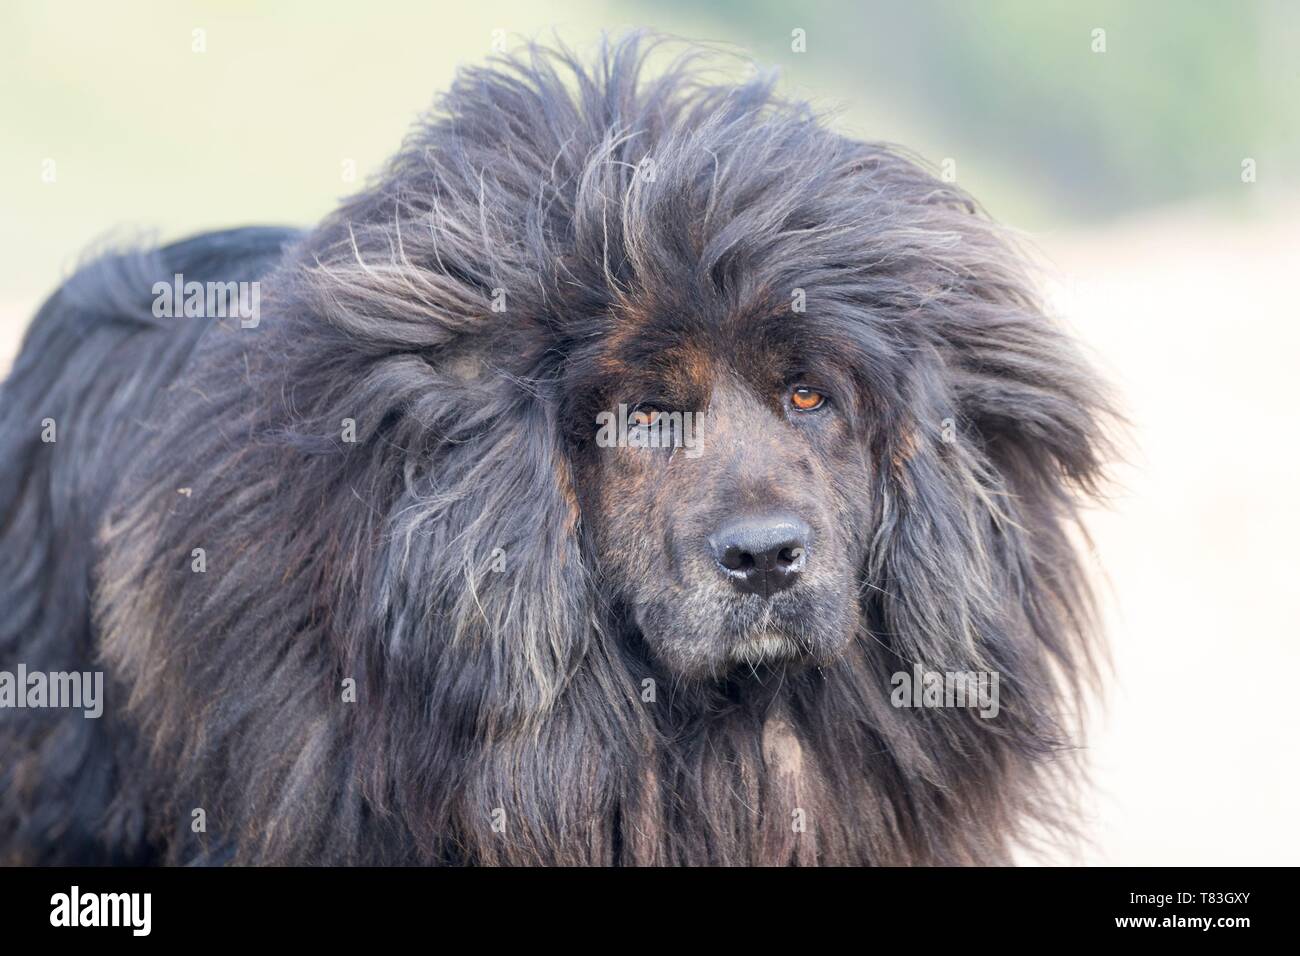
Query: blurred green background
x=1124, y=167
x=146, y=133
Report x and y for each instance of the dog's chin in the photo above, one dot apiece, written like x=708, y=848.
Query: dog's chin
x=766, y=648
x=728, y=648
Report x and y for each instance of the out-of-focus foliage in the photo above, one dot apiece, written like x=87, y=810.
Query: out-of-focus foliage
x=1185, y=90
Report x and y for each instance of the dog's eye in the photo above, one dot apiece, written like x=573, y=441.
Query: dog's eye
x=643, y=416
x=805, y=399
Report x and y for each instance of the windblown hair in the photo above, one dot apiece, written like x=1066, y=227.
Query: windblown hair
x=499, y=717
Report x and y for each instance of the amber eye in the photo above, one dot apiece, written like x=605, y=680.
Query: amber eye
x=805, y=399
x=643, y=416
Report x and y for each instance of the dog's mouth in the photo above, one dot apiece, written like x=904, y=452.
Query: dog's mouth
x=766, y=632
x=785, y=634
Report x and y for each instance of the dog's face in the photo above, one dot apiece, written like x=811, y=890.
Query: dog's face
x=726, y=490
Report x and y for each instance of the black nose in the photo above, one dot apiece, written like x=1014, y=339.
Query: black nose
x=762, y=555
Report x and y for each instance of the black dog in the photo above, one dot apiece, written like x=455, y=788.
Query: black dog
x=613, y=481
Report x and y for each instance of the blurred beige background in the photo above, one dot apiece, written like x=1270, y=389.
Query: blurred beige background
x=1123, y=166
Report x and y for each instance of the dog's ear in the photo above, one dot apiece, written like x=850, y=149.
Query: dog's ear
x=478, y=584
x=484, y=585
x=979, y=493
x=489, y=689
x=975, y=569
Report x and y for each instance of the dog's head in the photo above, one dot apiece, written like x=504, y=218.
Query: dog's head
x=694, y=362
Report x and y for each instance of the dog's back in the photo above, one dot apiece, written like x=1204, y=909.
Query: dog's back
x=90, y=379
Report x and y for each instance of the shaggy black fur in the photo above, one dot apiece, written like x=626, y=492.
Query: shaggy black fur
x=553, y=240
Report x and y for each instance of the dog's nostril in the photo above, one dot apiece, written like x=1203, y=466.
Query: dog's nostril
x=764, y=554
x=736, y=559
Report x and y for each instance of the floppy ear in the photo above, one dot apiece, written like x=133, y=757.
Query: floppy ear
x=978, y=497
x=483, y=586
x=974, y=570
x=471, y=585
x=478, y=586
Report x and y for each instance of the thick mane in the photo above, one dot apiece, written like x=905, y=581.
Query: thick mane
x=439, y=560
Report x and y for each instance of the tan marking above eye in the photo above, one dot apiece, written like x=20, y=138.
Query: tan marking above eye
x=805, y=399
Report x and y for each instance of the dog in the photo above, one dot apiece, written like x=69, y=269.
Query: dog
x=620, y=478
